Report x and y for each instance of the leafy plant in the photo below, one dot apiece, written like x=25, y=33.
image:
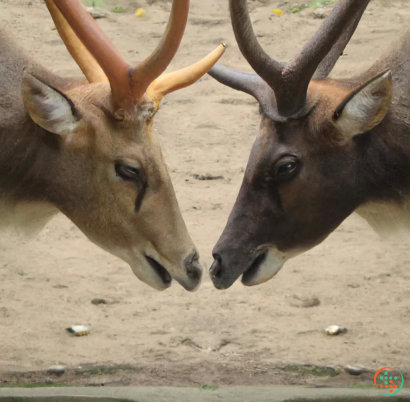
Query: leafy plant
x=320, y=3
x=93, y=3
x=208, y=388
x=31, y=385
x=312, y=4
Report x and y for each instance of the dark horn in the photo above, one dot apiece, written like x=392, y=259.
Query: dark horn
x=251, y=84
x=327, y=64
x=290, y=80
x=266, y=67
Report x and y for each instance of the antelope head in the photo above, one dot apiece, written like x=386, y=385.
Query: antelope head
x=106, y=170
x=304, y=169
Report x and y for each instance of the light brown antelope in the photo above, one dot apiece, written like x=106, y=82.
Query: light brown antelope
x=88, y=150
x=325, y=148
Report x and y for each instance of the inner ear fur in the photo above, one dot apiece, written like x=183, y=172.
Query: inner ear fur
x=48, y=107
x=365, y=107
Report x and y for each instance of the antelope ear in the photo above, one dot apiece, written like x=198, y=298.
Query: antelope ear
x=49, y=108
x=365, y=107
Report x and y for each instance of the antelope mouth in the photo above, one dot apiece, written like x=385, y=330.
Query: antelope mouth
x=265, y=266
x=160, y=271
x=253, y=271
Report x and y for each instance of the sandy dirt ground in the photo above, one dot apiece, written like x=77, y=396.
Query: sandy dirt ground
x=239, y=336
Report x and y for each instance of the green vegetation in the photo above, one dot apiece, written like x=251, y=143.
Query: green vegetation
x=362, y=385
x=93, y=3
x=118, y=10
x=208, y=388
x=31, y=385
x=320, y=3
x=310, y=370
x=312, y=4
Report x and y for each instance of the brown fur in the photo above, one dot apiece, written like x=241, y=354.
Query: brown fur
x=75, y=173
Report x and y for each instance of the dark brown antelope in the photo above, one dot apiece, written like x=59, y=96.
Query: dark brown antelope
x=326, y=147
x=88, y=150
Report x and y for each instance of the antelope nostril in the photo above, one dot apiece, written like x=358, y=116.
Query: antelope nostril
x=216, y=267
x=193, y=267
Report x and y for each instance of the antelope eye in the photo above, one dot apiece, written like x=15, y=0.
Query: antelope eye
x=287, y=169
x=127, y=172
x=135, y=175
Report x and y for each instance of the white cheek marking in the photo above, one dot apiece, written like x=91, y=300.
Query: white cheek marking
x=24, y=220
x=273, y=263
x=270, y=267
x=387, y=219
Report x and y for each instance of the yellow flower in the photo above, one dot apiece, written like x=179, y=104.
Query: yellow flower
x=277, y=12
x=140, y=12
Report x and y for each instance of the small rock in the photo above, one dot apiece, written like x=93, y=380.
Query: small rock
x=56, y=370
x=79, y=330
x=96, y=14
x=334, y=330
x=355, y=369
x=320, y=13
x=332, y=368
x=98, y=301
